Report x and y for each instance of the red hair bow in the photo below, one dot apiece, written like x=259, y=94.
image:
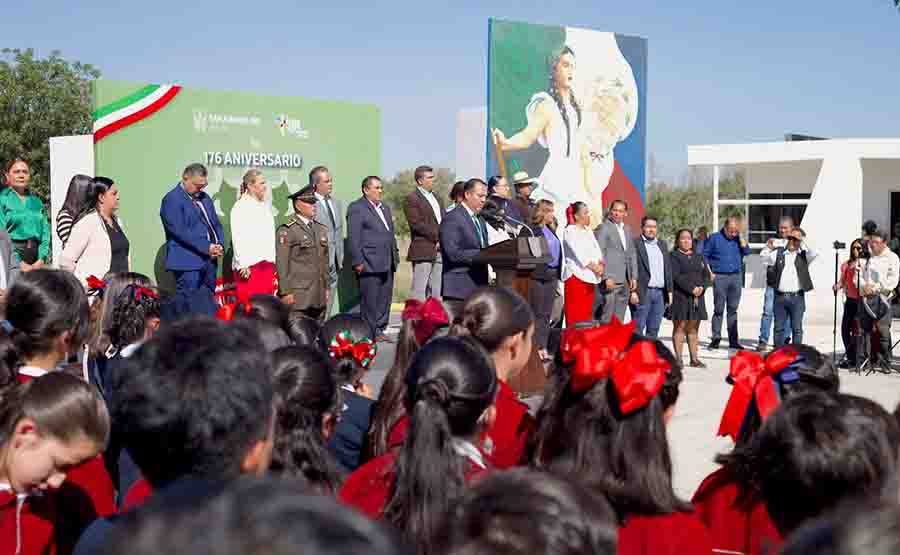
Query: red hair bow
x=570, y=214
x=95, y=284
x=594, y=351
x=638, y=376
x=362, y=351
x=227, y=312
x=141, y=292
x=753, y=378
x=425, y=316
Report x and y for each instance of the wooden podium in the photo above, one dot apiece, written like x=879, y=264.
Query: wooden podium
x=514, y=261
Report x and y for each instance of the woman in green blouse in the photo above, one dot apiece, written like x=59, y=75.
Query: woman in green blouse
x=23, y=216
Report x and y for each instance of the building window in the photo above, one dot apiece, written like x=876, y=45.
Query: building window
x=764, y=218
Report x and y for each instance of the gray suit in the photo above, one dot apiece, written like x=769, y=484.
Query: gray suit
x=335, y=244
x=10, y=265
x=621, y=267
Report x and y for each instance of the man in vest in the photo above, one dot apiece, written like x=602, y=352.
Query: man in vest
x=792, y=281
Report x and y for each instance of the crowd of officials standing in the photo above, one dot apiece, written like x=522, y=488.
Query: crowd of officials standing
x=254, y=432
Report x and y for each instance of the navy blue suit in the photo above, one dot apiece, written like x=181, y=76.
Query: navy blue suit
x=187, y=250
x=459, y=245
x=375, y=247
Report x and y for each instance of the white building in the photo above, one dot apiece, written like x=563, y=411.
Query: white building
x=830, y=186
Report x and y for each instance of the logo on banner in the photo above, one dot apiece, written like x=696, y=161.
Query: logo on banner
x=290, y=126
x=206, y=122
x=201, y=121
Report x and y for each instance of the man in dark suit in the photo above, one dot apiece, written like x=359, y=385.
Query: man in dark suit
x=424, y=212
x=654, y=279
x=462, y=236
x=620, y=277
x=373, y=254
x=194, y=239
x=500, y=193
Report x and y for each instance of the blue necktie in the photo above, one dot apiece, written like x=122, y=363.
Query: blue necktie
x=478, y=231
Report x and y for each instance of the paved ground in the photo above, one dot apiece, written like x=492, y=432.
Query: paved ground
x=704, y=392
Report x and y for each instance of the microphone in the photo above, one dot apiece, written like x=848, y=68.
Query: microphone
x=518, y=223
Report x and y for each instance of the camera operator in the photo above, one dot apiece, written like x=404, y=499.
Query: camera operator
x=879, y=278
x=847, y=282
x=791, y=282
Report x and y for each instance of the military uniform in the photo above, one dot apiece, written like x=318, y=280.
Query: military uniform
x=301, y=255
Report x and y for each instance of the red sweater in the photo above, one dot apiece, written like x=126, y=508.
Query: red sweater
x=503, y=443
x=744, y=528
x=86, y=494
x=367, y=489
x=137, y=495
x=673, y=534
x=30, y=526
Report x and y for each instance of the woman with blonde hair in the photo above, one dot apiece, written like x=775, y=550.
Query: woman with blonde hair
x=253, y=239
x=545, y=278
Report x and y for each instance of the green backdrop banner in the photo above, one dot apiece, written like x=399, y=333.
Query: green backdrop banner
x=146, y=134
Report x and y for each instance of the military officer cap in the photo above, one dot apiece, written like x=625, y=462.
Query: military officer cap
x=306, y=194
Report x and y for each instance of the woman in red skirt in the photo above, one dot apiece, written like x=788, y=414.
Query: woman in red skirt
x=583, y=268
x=605, y=422
x=253, y=239
x=451, y=384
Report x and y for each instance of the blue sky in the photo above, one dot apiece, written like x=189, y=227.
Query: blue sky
x=719, y=71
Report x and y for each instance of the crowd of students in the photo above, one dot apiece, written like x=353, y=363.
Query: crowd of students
x=124, y=431
x=256, y=433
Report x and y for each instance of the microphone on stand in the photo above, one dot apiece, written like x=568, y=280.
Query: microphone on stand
x=518, y=223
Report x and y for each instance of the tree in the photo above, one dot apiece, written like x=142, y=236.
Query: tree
x=39, y=99
x=396, y=189
x=691, y=206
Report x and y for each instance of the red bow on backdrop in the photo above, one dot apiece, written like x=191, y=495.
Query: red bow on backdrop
x=594, y=351
x=752, y=378
x=425, y=316
x=226, y=312
x=362, y=351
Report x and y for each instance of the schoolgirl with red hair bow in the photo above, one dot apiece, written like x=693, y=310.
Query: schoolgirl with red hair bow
x=604, y=420
x=349, y=342
x=421, y=320
x=726, y=500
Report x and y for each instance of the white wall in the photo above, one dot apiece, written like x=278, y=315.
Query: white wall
x=782, y=177
x=880, y=178
x=471, y=139
x=68, y=156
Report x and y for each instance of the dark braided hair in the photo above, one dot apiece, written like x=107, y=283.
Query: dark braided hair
x=557, y=97
x=130, y=312
x=307, y=391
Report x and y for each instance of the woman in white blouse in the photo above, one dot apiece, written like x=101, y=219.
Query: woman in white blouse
x=253, y=239
x=583, y=266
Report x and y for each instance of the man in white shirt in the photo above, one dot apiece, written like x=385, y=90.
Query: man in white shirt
x=424, y=214
x=879, y=277
x=791, y=282
x=330, y=213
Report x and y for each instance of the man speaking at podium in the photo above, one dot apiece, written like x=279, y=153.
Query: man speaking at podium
x=462, y=236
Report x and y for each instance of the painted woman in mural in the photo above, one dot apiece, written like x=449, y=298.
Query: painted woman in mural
x=554, y=121
x=579, y=119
